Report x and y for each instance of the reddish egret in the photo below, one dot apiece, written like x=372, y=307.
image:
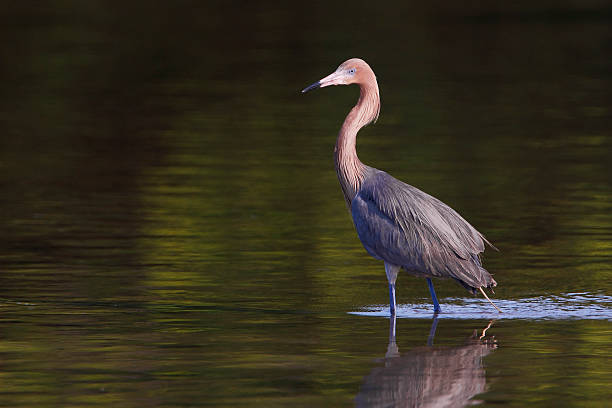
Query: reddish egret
x=396, y=222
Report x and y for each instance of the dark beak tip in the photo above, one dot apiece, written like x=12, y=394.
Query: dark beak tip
x=311, y=87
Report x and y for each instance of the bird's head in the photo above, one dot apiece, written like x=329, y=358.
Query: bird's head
x=353, y=71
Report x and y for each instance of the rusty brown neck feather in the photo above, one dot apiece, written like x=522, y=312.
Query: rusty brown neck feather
x=349, y=168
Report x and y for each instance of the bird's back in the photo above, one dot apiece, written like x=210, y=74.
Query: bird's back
x=404, y=226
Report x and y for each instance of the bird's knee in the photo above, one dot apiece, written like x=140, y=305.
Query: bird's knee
x=391, y=271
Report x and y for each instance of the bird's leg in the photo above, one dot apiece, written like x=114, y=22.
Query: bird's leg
x=391, y=271
x=392, y=299
x=433, y=296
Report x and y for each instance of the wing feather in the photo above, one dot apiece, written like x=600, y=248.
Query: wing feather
x=401, y=224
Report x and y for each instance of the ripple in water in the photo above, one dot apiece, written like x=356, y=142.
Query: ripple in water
x=585, y=306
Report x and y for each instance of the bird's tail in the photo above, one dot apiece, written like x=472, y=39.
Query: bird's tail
x=484, y=279
x=473, y=288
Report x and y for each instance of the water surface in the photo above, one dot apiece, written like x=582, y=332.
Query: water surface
x=580, y=306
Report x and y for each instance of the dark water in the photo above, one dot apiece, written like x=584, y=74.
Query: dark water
x=173, y=233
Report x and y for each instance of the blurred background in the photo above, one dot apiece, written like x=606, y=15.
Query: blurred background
x=174, y=233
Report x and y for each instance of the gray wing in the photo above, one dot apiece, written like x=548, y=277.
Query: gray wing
x=402, y=225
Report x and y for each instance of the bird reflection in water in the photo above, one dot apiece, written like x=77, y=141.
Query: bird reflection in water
x=428, y=376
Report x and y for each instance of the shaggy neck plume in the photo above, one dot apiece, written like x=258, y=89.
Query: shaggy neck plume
x=349, y=168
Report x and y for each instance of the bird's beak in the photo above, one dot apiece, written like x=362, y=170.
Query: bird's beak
x=335, y=78
x=311, y=87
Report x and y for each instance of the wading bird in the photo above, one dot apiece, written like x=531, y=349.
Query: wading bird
x=396, y=222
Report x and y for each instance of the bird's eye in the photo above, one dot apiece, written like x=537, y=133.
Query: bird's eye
x=351, y=71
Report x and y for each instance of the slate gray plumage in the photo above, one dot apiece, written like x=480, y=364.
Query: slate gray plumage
x=402, y=225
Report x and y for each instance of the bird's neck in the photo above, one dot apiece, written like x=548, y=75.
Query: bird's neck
x=349, y=168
